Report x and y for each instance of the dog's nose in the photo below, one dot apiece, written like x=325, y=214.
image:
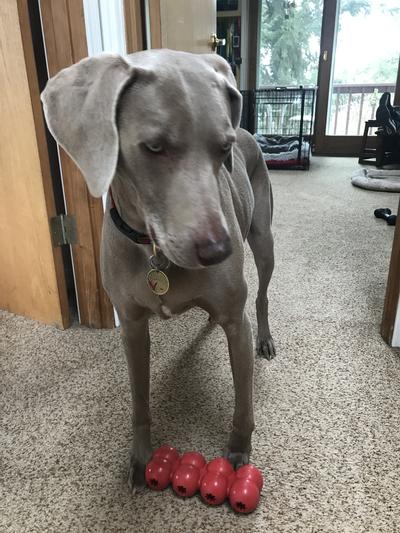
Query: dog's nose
x=211, y=251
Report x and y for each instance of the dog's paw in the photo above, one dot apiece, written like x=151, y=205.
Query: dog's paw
x=237, y=459
x=136, y=474
x=266, y=348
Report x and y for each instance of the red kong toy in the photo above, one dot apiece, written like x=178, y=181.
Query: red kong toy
x=216, y=480
x=213, y=488
x=251, y=472
x=158, y=473
x=231, y=481
x=170, y=454
x=194, y=459
x=203, y=472
x=244, y=496
x=185, y=480
x=167, y=452
x=220, y=465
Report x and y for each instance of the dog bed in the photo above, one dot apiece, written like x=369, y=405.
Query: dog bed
x=377, y=180
x=283, y=151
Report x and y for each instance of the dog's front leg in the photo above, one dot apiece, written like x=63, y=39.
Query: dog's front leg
x=136, y=339
x=240, y=342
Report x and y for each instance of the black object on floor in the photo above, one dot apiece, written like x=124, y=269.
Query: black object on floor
x=386, y=214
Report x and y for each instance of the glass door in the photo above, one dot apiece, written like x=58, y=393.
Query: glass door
x=359, y=62
x=349, y=49
x=289, y=48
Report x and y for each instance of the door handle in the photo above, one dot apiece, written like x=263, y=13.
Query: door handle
x=214, y=42
x=325, y=55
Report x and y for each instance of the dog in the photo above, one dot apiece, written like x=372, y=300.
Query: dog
x=159, y=131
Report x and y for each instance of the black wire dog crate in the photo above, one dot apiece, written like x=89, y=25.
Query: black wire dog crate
x=281, y=119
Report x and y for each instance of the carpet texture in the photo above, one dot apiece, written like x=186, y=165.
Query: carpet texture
x=327, y=408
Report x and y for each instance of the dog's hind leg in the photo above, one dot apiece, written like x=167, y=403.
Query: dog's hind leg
x=262, y=245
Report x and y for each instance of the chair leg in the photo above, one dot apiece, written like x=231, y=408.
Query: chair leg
x=364, y=144
x=380, y=153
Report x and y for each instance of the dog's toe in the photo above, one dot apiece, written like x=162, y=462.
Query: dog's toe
x=136, y=475
x=266, y=348
x=237, y=459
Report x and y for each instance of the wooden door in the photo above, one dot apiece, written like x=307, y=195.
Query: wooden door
x=182, y=24
x=65, y=41
x=32, y=281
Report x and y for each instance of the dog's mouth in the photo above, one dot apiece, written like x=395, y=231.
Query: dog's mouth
x=196, y=257
x=193, y=253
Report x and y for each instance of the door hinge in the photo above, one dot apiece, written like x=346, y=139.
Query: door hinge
x=63, y=230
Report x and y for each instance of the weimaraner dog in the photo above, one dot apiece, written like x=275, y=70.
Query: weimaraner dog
x=159, y=130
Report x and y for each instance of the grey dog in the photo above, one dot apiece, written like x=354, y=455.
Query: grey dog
x=159, y=130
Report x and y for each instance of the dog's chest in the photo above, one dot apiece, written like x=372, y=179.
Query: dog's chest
x=208, y=288
x=182, y=294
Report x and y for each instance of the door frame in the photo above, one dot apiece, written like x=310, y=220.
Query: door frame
x=134, y=25
x=65, y=42
x=253, y=35
x=336, y=145
x=392, y=299
x=391, y=308
x=153, y=23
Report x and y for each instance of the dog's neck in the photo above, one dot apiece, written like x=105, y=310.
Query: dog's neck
x=136, y=236
x=127, y=209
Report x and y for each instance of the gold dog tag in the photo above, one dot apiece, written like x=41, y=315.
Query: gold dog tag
x=158, y=282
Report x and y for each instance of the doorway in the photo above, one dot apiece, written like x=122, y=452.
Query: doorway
x=348, y=49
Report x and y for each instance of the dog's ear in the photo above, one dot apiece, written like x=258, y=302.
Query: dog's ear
x=222, y=67
x=80, y=105
x=235, y=99
x=229, y=161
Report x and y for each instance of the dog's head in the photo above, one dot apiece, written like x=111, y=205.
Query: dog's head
x=162, y=124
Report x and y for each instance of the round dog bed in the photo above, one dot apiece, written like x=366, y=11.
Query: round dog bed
x=377, y=180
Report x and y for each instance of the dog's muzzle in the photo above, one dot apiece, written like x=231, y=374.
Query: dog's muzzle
x=210, y=252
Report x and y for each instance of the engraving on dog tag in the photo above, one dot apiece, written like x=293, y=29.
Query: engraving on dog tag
x=158, y=282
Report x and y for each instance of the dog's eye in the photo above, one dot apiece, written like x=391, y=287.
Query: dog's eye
x=156, y=148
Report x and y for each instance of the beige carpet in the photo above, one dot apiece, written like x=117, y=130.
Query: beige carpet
x=327, y=408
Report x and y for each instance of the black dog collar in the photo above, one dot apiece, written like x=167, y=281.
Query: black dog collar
x=132, y=234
